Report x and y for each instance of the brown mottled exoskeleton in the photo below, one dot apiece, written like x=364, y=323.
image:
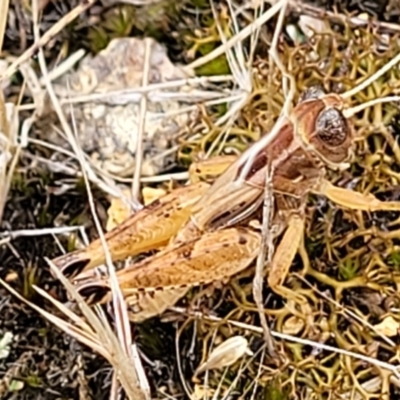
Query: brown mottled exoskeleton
x=204, y=230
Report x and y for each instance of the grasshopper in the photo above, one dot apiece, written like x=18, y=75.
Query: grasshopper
x=205, y=231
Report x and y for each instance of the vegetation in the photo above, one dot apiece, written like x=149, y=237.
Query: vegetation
x=342, y=344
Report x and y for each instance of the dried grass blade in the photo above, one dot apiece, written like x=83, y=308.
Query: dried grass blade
x=65, y=310
x=120, y=359
x=4, y=4
x=103, y=330
x=9, y=155
x=82, y=336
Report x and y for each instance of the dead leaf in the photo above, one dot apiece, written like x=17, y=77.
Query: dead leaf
x=119, y=209
x=5, y=342
x=227, y=353
x=118, y=212
x=201, y=392
x=150, y=194
x=293, y=325
x=388, y=327
x=310, y=25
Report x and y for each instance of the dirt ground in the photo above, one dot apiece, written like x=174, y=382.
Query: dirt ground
x=43, y=362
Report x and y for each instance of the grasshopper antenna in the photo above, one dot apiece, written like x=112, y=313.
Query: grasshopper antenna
x=289, y=93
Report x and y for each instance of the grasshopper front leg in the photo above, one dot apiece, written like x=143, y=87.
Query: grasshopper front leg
x=355, y=200
x=284, y=256
x=293, y=235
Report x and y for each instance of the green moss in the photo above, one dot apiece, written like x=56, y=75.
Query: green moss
x=34, y=381
x=116, y=23
x=274, y=391
x=349, y=269
x=394, y=260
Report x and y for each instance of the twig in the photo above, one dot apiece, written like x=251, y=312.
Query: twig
x=142, y=124
x=126, y=96
x=393, y=368
x=261, y=144
x=266, y=244
x=57, y=167
x=39, y=232
x=288, y=92
x=8, y=129
x=178, y=359
x=241, y=73
x=394, y=61
x=257, y=378
x=131, y=384
x=41, y=41
x=220, y=99
x=243, y=34
x=348, y=113
x=146, y=89
x=4, y=4
x=302, y=7
x=347, y=313
x=64, y=66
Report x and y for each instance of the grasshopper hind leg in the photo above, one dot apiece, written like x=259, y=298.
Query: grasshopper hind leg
x=284, y=256
x=95, y=292
x=72, y=264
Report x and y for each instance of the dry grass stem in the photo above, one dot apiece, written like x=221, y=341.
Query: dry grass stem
x=39, y=232
x=64, y=66
x=50, y=33
x=142, y=124
x=243, y=34
x=126, y=376
x=268, y=210
x=97, y=335
x=370, y=360
x=302, y=7
x=374, y=77
x=4, y=5
x=9, y=149
x=348, y=313
x=266, y=246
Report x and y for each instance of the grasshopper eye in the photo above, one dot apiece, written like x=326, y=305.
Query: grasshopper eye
x=331, y=127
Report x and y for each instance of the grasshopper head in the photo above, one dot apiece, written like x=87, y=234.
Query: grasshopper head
x=323, y=129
